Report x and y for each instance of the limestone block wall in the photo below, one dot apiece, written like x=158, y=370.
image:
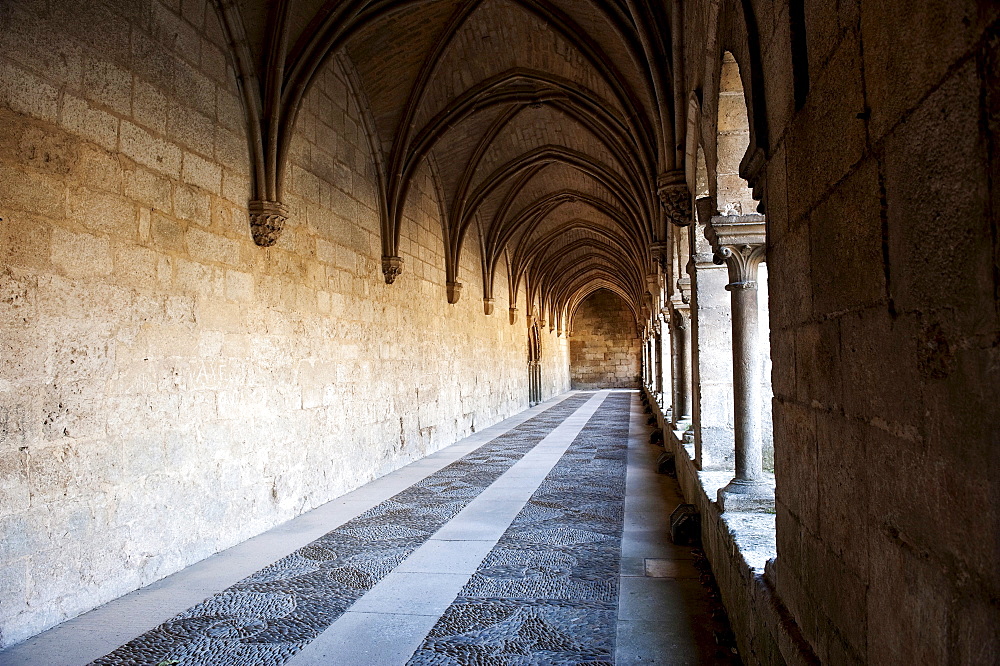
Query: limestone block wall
x=167, y=388
x=605, y=351
x=881, y=190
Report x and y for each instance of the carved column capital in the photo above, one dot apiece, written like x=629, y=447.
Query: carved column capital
x=391, y=268
x=684, y=290
x=675, y=197
x=742, y=261
x=738, y=242
x=267, y=219
x=653, y=283
x=679, y=312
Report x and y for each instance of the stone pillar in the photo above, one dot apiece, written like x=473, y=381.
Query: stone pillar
x=738, y=241
x=654, y=370
x=647, y=345
x=711, y=351
x=665, y=363
x=658, y=360
x=680, y=320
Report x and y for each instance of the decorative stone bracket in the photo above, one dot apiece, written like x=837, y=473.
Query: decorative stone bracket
x=391, y=268
x=675, y=197
x=488, y=306
x=267, y=219
x=454, y=292
x=660, y=254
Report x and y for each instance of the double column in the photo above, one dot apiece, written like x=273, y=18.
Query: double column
x=680, y=323
x=738, y=242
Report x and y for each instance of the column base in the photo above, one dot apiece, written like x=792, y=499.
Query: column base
x=747, y=496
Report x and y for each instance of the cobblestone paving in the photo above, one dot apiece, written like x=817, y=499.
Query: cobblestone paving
x=269, y=616
x=548, y=592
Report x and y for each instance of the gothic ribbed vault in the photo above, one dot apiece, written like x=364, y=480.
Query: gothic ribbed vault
x=543, y=123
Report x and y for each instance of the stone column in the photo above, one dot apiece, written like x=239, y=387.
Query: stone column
x=711, y=350
x=649, y=361
x=680, y=320
x=738, y=241
x=657, y=359
x=665, y=363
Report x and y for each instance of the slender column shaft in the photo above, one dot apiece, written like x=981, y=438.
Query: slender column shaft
x=747, y=380
x=658, y=360
x=739, y=243
x=682, y=393
x=666, y=362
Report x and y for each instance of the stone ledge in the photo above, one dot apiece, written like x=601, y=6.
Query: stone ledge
x=741, y=548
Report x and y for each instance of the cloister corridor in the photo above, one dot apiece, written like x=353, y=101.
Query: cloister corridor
x=500, y=332
x=538, y=540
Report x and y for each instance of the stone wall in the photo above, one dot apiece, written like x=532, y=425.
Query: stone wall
x=604, y=349
x=167, y=388
x=880, y=185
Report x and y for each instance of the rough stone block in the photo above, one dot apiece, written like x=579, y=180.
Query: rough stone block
x=78, y=116
x=846, y=245
x=103, y=212
x=80, y=255
x=24, y=93
x=108, y=85
x=827, y=137
x=33, y=193
x=936, y=257
x=150, y=151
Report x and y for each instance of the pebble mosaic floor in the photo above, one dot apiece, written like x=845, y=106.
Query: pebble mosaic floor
x=548, y=592
x=266, y=618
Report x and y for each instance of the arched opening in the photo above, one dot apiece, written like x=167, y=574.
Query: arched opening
x=733, y=195
x=738, y=238
x=534, y=364
x=604, y=349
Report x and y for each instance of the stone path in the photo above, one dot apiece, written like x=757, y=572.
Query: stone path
x=519, y=545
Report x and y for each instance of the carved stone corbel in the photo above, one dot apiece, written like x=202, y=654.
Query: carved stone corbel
x=454, y=291
x=684, y=291
x=513, y=315
x=267, y=219
x=391, y=268
x=660, y=254
x=488, y=306
x=675, y=197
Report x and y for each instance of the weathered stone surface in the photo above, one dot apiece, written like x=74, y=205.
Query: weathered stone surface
x=605, y=351
x=212, y=388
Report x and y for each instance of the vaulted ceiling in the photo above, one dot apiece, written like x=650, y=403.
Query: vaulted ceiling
x=544, y=122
